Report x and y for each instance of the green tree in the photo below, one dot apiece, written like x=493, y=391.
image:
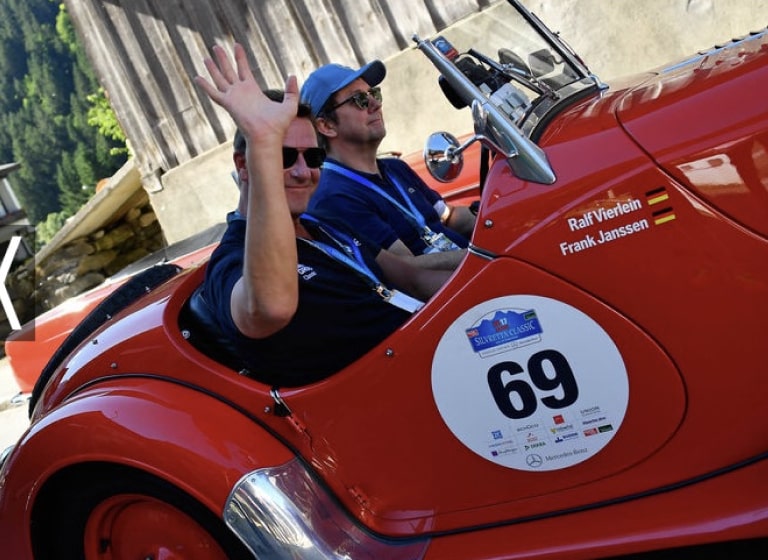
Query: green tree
x=54, y=118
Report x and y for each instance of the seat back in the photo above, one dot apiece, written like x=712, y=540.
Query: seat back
x=202, y=331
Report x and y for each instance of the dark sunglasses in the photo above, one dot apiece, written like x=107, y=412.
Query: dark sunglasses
x=313, y=157
x=362, y=98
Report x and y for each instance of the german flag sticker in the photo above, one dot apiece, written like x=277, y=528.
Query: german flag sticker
x=656, y=196
x=662, y=215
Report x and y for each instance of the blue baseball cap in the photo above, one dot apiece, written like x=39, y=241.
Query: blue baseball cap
x=327, y=80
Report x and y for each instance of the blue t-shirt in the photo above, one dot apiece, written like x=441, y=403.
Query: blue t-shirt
x=339, y=316
x=371, y=215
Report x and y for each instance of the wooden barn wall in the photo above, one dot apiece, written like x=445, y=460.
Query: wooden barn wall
x=146, y=51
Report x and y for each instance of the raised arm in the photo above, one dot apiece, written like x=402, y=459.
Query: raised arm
x=265, y=299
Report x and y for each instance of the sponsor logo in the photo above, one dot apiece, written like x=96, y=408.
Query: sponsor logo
x=527, y=428
x=560, y=429
x=504, y=331
x=591, y=432
x=306, y=272
x=534, y=460
x=566, y=454
x=507, y=451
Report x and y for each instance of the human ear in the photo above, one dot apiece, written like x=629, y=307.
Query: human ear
x=326, y=127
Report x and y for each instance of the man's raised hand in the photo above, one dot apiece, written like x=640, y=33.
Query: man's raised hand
x=236, y=90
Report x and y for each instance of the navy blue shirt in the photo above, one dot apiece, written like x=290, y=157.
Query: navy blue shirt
x=339, y=316
x=371, y=215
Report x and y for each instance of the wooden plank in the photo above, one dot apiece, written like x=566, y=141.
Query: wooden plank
x=146, y=52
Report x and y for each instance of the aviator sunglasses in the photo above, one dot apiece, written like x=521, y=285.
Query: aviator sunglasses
x=313, y=157
x=362, y=98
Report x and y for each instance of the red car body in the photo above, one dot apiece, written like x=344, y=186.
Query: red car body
x=588, y=384
x=30, y=348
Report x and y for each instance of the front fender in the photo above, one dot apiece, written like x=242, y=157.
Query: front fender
x=190, y=438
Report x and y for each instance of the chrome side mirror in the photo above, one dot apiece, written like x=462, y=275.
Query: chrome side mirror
x=443, y=157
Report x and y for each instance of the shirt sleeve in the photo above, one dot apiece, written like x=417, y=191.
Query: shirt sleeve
x=224, y=269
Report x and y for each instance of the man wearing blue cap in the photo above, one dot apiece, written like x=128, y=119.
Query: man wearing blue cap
x=380, y=198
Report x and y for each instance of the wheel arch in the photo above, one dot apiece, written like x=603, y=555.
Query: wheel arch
x=80, y=489
x=192, y=440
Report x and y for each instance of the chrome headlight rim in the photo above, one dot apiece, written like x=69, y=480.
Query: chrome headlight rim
x=283, y=512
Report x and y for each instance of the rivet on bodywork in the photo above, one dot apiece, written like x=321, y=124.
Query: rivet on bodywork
x=389, y=352
x=488, y=223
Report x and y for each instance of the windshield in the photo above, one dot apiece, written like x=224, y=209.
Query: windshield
x=512, y=71
x=513, y=58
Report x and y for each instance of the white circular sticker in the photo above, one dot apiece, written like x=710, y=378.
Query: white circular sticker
x=530, y=383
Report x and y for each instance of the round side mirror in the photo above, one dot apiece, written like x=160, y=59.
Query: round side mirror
x=441, y=158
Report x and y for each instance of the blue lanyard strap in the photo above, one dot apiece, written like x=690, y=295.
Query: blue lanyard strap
x=346, y=250
x=348, y=253
x=411, y=212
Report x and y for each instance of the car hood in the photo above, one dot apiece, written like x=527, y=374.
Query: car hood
x=705, y=123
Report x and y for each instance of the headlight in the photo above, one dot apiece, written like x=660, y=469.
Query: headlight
x=282, y=513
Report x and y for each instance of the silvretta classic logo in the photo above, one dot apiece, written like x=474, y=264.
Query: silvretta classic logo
x=504, y=331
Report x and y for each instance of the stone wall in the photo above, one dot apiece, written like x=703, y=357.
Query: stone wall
x=87, y=261
x=130, y=234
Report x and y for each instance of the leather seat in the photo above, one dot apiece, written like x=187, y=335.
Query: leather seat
x=202, y=331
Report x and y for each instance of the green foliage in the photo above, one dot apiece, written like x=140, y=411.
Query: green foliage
x=47, y=229
x=66, y=31
x=102, y=117
x=55, y=119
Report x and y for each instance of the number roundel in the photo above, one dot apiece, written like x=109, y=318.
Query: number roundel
x=530, y=383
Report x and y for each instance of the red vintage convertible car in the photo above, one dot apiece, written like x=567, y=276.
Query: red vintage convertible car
x=588, y=384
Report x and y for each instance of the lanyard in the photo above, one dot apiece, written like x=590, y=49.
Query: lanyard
x=411, y=212
x=435, y=242
x=346, y=250
x=348, y=253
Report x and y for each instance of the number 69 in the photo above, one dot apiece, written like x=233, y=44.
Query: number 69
x=516, y=398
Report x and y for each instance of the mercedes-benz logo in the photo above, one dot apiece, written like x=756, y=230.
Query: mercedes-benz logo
x=534, y=460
